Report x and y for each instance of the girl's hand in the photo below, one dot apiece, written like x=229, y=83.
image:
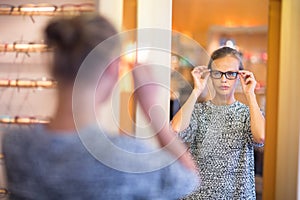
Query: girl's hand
x=200, y=75
x=248, y=82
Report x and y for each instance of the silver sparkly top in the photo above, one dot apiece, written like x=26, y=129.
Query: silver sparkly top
x=221, y=142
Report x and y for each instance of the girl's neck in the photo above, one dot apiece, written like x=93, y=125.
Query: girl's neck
x=63, y=119
x=223, y=100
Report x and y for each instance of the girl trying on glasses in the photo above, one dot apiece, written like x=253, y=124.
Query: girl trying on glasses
x=222, y=132
x=74, y=157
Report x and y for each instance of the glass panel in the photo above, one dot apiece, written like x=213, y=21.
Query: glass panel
x=239, y=24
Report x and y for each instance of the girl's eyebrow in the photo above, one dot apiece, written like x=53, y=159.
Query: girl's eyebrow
x=225, y=71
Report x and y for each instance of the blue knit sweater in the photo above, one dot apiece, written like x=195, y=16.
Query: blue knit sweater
x=45, y=165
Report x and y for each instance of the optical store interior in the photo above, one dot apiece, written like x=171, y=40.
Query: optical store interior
x=265, y=32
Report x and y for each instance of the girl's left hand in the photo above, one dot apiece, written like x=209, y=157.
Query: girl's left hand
x=248, y=81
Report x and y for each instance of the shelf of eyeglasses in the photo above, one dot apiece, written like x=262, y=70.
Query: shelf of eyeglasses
x=25, y=47
x=3, y=193
x=42, y=83
x=24, y=120
x=46, y=9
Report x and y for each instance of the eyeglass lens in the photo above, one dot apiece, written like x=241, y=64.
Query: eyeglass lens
x=218, y=74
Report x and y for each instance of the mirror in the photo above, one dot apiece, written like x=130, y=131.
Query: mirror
x=213, y=23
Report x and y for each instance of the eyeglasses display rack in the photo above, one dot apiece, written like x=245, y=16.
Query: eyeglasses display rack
x=27, y=90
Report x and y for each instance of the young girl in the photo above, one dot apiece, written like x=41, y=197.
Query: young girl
x=221, y=132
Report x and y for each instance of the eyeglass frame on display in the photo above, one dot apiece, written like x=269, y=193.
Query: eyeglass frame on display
x=43, y=82
x=23, y=47
x=33, y=9
x=20, y=120
x=78, y=7
x=3, y=193
x=11, y=7
x=36, y=6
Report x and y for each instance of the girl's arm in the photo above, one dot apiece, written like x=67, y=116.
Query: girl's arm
x=182, y=118
x=257, y=120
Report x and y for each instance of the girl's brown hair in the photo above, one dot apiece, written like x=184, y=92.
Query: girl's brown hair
x=73, y=39
x=225, y=51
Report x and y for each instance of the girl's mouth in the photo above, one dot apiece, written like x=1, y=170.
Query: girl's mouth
x=224, y=87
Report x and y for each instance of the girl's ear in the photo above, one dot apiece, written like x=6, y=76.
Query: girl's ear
x=107, y=82
x=113, y=68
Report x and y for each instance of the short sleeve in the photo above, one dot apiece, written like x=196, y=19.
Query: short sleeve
x=188, y=134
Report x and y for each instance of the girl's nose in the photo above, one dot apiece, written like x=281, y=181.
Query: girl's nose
x=223, y=78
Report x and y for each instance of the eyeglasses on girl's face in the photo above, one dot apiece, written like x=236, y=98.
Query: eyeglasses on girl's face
x=215, y=74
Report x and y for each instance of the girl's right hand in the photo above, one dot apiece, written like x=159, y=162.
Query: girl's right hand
x=200, y=75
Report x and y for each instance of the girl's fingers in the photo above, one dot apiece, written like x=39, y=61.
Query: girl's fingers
x=245, y=73
x=206, y=75
x=248, y=81
x=201, y=72
x=201, y=68
x=246, y=76
x=243, y=79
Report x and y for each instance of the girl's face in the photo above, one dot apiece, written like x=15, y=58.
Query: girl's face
x=225, y=86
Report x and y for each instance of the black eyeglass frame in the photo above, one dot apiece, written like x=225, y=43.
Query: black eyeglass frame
x=235, y=74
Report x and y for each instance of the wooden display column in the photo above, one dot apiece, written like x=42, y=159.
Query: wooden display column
x=155, y=14
x=113, y=11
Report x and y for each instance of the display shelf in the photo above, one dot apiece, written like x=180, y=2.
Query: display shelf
x=43, y=83
x=24, y=120
x=25, y=47
x=46, y=9
x=25, y=62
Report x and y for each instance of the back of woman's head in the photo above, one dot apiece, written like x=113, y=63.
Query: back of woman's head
x=72, y=40
x=226, y=51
